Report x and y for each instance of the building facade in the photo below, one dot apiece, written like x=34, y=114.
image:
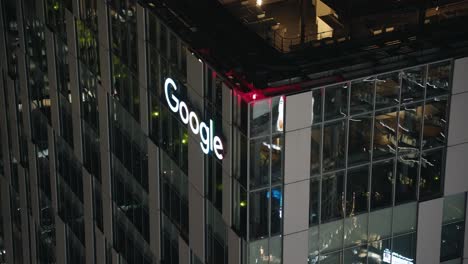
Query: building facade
x=131, y=132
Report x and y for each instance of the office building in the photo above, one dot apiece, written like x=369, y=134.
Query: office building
x=233, y=131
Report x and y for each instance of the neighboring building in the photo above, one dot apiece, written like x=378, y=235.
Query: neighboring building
x=233, y=132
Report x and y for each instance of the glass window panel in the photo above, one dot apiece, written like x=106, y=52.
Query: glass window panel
x=452, y=241
x=332, y=196
x=357, y=255
x=438, y=78
x=258, y=222
x=406, y=177
x=239, y=208
x=362, y=96
x=260, y=118
x=276, y=210
x=332, y=258
x=430, y=182
x=382, y=184
x=435, y=123
x=314, y=201
x=454, y=208
x=385, y=133
x=313, y=242
x=404, y=249
x=412, y=84
x=259, y=162
x=331, y=236
x=355, y=230
x=336, y=101
x=380, y=224
x=377, y=250
x=409, y=127
x=357, y=190
x=404, y=218
x=277, y=112
x=258, y=252
x=277, y=147
x=359, y=142
x=276, y=245
x=317, y=105
x=316, y=139
x=334, y=145
x=387, y=90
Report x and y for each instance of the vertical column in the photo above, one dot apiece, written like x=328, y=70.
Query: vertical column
x=105, y=162
x=103, y=39
x=4, y=134
x=52, y=170
x=142, y=71
x=457, y=140
x=184, y=252
x=234, y=247
x=52, y=74
x=88, y=216
x=296, y=177
x=13, y=118
x=3, y=51
x=196, y=174
x=227, y=138
x=429, y=231
x=104, y=89
x=24, y=215
x=60, y=241
x=153, y=199
x=74, y=85
x=6, y=211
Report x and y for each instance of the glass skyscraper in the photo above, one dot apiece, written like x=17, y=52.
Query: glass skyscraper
x=233, y=132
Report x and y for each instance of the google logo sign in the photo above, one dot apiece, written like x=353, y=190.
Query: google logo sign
x=209, y=142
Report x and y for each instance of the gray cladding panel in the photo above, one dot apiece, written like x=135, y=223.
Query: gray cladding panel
x=456, y=168
x=460, y=76
x=195, y=163
x=429, y=231
x=296, y=218
x=195, y=80
x=184, y=252
x=295, y=248
x=458, y=122
x=196, y=222
x=298, y=111
x=297, y=155
x=234, y=251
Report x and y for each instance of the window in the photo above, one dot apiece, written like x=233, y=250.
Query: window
x=438, y=79
x=404, y=218
x=317, y=106
x=382, y=184
x=332, y=196
x=406, y=177
x=314, y=201
x=385, y=127
x=430, y=183
x=435, y=122
x=362, y=96
x=409, y=128
x=387, y=90
x=357, y=190
x=258, y=222
x=336, y=101
x=315, y=147
x=259, y=162
x=453, y=227
x=359, y=143
x=412, y=84
x=334, y=145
